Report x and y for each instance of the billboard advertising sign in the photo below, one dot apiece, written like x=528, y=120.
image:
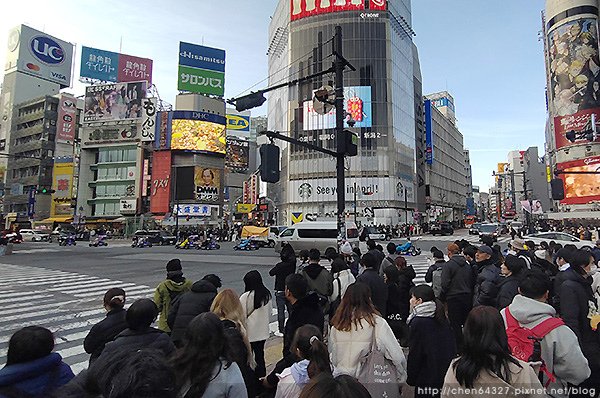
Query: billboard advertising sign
x=66, y=123
x=162, y=139
x=250, y=190
x=198, y=131
x=38, y=54
x=160, y=189
x=194, y=210
x=573, y=64
x=581, y=188
x=62, y=184
x=238, y=123
x=118, y=101
x=325, y=190
x=149, y=106
x=428, y=133
x=201, y=69
x=98, y=136
x=245, y=208
x=99, y=64
x=357, y=101
x=134, y=69
x=308, y=8
x=208, y=184
x=575, y=122
x=237, y=155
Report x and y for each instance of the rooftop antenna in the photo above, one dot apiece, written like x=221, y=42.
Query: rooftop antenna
x=121, y=44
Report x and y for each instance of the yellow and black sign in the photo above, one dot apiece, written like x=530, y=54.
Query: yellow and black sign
x=297, y=217
x=245, y=208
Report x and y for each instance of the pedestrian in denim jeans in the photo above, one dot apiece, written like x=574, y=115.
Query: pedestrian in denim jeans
x=286, y=267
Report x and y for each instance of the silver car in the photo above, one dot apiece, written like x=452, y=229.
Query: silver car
x=558, y=237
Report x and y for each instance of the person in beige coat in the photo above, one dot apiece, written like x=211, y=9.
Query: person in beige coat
x=486, y=367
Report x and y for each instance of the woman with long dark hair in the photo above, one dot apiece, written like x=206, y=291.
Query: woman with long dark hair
x=314, y=359
x=355, y=325
x=486, y=367
x=398, y=302
x=431, y=343
x=202, y=365
x=256, y=301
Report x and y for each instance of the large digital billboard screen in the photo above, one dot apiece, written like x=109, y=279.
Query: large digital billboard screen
x=198, y=131
x=581, y=188
x=237, y=155
x=309, y=8
x=119, y=101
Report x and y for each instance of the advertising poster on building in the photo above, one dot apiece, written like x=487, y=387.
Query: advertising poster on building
x=237, y=155
x=201, y=69
x=198, y=131
x=66, y=123
x=208, y=184
x=160, y=183
x=163, y=131
x=134, y=69
x=118, y=101
x=357, y=101
x=378, y=5
x=428, y=133
x=62, y=184
x=195, y=210
x=38, y=54
x=581, y=188
x=99, y=136
x=250, y=190
x=149, y=109
x=238, y=123
x=108, y=66
x=308, y=8
x=366, y=188
x=575, y=122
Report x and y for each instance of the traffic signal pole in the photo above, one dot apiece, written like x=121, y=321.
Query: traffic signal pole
x=340, y=115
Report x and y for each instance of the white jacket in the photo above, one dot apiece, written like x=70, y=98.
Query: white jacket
x=346, y=349
x=345, y=279
x=258, y=320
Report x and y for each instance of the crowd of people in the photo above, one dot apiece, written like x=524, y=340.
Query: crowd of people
x=517, y=323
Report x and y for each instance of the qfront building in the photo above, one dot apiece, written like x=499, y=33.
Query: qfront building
x=379, y=97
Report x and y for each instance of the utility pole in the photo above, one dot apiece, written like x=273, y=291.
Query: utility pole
x=340, y=114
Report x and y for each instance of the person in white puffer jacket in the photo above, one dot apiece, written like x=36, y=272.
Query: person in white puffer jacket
x=342, y=278
x=352, y=331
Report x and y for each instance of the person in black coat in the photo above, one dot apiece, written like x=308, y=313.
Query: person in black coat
x=575, y=297
x=286, y=267
x=238, y=352
x=188, y=306
x=371, y=278
x=107, y=329
x=139, y=335
x=488, y=278
x=305, y=310
x=508, y=288
x=431, y=342
x=398, y=305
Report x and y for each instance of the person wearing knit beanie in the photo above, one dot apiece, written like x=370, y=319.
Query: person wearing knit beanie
x=168, y=290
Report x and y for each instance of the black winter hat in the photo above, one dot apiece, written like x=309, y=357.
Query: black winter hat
x=174, y=265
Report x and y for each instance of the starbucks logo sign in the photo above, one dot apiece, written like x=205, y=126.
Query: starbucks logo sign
x=305, y=190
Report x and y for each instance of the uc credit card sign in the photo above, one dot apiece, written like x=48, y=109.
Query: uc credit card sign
x=201, y=69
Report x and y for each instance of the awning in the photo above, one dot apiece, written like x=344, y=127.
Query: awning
x=59, y=219
x=120, y=219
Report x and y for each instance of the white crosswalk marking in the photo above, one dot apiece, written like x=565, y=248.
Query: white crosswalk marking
x=67, y=303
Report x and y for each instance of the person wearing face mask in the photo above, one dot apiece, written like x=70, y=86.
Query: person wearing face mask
x=431, y=342
x=563, y=257
x=579, y=310
x=508, y=287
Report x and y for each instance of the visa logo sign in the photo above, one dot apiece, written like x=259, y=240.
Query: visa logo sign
x=238, y=123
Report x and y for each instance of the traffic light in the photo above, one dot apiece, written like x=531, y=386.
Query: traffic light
x=249, y=101
x=499, y=182
x=45, y=191
x=349, y=144
x=558, y=189
x=269, y=163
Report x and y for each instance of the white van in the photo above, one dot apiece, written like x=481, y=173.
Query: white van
x=315, y=235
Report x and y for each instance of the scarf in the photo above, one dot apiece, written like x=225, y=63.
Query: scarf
x=425, y=310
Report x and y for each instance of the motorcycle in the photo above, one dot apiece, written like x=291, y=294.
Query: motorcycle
x=408, y=249
x=142, y=241
x=67, y=240
x=188, y=243
x=209, y=244
x=99, y=241
x=246, y=244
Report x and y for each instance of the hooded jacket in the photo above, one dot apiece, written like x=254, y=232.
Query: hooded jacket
x=195, y=302
x=162, y=298
x=457, y=278
x=379, y=290
x=508, y=288
x=133, y=340
x=560, y=350
x=104, y=332
x=319, y=279
x=38, y=377
x=486, y=284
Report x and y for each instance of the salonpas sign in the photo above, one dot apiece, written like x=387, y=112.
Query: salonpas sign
x=367, y=189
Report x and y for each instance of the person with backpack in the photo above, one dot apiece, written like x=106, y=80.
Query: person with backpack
x=370, y=277
x=434, y=273
x=319, y=279
x=342, y=278
x=374, y=251
x=579, y=308
x=431, y=342
x=168, y=290
x=350, y=257
x=390, y=258
x=508, y=287
x=520, y=249
x=528, y=316
x=487, y=279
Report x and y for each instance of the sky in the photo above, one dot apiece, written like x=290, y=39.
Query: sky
x=486, y=53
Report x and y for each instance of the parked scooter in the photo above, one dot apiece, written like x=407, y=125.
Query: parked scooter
x=189, y=242
x=141, y=241
x=209, y=244
x=408, y=249
x=67, y=240
x=246, y=244
x=99, y=241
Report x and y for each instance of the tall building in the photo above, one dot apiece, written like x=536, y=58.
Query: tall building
x=379, y=96
x=573, y=93
x=469, y=189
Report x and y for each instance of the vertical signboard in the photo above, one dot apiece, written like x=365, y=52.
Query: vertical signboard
x=148, y=119
x=250, y=190
x=99, y=64
x=162, y=139
x=66, y=124
x=160, y=189
x=62, y=184
x=201, y=69
x=428, y=133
